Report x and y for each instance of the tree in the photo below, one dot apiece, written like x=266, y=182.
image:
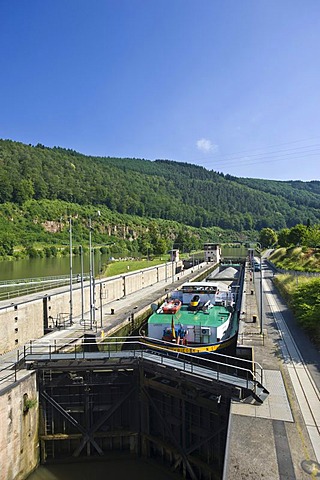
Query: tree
x=24, y=191
x=312, y=236
x=6, y=189
x=297, y=233
x=283, y=237
x=6, y=244
x=267, y=237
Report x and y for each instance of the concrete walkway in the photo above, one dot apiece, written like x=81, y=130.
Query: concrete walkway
x=280, y=438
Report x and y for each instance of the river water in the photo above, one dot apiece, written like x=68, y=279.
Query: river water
x=45, y=267
x=56, y=266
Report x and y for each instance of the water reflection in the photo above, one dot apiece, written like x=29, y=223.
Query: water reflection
x=44, y=267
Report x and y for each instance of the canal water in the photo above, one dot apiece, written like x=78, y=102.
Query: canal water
x=123, y=468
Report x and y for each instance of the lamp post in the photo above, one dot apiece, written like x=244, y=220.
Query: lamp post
x=93, y=289
x=90, y=273
x=172, y=262
x=82, y=287
x=261, y=322
x=70, y=244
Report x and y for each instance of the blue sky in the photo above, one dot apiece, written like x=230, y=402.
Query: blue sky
x=232, y=85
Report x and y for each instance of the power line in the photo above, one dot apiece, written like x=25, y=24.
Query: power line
x=220, y=161
x=273, y=157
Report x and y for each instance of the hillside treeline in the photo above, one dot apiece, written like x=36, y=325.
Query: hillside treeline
x=160, y=189
x=42, y=228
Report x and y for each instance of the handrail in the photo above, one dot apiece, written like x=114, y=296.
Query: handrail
x=36, y=280
x=9, y=375
x=138, y=346
x=135, y=343
x=18, y=287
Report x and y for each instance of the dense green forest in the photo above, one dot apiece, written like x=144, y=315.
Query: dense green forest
x=139, y=200
x=164, y=189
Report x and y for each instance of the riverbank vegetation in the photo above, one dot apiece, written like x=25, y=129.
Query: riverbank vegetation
x=118, y=267
x=42, y=229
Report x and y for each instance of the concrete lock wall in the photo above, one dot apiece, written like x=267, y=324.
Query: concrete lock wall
x=132, y=282
x=20, y=322
x=112, y=289
x=25, y=319
x=19, y=413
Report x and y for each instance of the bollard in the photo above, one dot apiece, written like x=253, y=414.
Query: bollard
x=112, y=311
x=252, y=292
x=254, y=318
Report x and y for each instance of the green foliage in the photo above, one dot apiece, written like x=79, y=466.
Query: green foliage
x=300, y=235
x=303, y=259
x=306, y=304
x=283, y=237
x=312, y=236
x=296, y=234
x=303, y=297
x=28, y=403
x=164, y=189
x=267, y=237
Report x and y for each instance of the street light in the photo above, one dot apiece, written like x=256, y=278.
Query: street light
x=91, y=276
x=90, y=273
x=82, y=287
x=70, y=242
x=261, y=322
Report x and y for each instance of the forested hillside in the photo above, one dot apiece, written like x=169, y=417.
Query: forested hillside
x=163, y=189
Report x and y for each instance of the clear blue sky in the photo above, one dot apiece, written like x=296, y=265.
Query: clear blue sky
x=233, y=85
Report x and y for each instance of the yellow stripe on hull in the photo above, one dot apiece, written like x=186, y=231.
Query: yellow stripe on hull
x=186, y=349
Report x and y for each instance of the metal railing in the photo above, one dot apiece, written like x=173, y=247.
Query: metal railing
x=298, y=273
x=27, y=286
x=11, y=371
x=223, y=366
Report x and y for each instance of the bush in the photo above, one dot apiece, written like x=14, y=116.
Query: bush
x=303, y=297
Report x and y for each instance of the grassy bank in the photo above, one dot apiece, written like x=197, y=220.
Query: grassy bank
x=303, y=297
x=118, y=267
x=303, y=259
